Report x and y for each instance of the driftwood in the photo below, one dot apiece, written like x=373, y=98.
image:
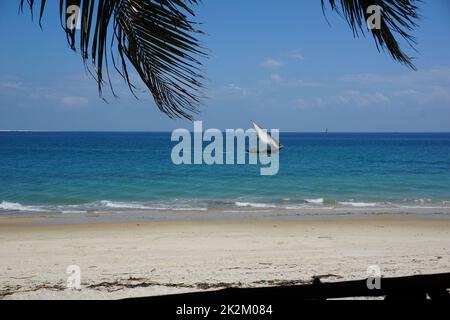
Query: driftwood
x=418, y=287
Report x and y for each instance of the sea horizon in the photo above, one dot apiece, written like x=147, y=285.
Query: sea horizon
x=223, y=130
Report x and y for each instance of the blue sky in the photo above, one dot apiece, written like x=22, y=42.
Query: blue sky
x=275, y=62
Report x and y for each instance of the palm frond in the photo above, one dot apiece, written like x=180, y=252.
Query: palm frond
x=156, y=37
x=398, y=18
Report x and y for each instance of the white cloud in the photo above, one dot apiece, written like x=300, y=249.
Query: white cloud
x=296, y=54
x=423, y=87
x=235, y=89
x=287, y=83
x=271, y=63
x=426, y=88
x=276, y=77
x=363, y=99
x=74, y=101
x=424, y=96
x=426, y=76
x=12, y=85
x=301, y=103
x=351, y=98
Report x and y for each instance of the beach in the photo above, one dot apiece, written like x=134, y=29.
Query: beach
x=123, y=259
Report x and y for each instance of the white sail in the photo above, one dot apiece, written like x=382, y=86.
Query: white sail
x=266, y=138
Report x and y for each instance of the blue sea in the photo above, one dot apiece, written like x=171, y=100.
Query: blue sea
x=82, y=172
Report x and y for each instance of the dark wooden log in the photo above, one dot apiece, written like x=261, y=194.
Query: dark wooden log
x=416, y=287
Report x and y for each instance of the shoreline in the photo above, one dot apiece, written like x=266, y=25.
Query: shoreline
x=144, y=258
x=269, y=214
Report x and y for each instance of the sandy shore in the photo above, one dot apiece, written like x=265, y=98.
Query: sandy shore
x=150, y=258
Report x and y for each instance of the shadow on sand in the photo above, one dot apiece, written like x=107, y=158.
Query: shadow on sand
x=418, y=287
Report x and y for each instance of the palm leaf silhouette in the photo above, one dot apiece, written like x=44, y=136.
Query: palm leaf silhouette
x=160, y=41
x=397, y=17
x=156, y=37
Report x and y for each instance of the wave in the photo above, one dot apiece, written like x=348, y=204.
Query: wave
x=293, y=205
x=98, y=206
x=423, y=201
x=73, y=211
x=140, y=206
x=315, y=201
x=13, y=206
x=244, y=205
x=123, y=205
x=359, y=204
x=424, y=207
x=254, y=204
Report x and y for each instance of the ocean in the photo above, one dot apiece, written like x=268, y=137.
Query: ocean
x=83, y=172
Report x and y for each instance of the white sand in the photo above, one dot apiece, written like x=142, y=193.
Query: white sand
x=120, y=260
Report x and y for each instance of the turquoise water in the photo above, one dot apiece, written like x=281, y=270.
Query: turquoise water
x=81, y=172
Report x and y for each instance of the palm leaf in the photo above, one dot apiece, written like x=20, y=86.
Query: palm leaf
x=398, y=18
x=156, y=37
